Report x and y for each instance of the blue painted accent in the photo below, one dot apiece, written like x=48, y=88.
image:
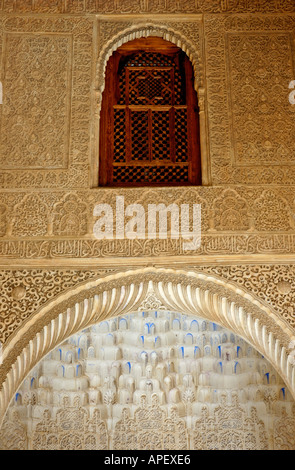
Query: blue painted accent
x=267, y=377
x=142, y=339
x=123, y=320
x=219, y=351
x=235, y=368
x=182, y=351
x=32, y=381
x=189, y=334
x=79, y=352
x=149, y=326
x=143, y=352
x=238, y=350
x=17, y=395
x=220, y=364
x=284, y=392
x=195, y=350
x=176, y=321
x=129, y=366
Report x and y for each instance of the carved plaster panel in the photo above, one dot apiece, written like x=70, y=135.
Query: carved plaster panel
x=36, y=108
x=273, y=284
x=46, y=66
x=60, y=225
x=24, y=291
x=247, y=147
x=262, y=119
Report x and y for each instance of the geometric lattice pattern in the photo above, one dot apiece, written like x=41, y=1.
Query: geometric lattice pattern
x=180, y=135
x=150, y=121
x=120, y=133
x=161, y=135
x=140, y=135
x=152, y=174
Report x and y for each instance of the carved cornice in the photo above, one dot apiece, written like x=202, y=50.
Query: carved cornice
x=144, y=6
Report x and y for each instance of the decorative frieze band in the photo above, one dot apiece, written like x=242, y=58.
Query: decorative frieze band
x=234, y=221
x=144, y=6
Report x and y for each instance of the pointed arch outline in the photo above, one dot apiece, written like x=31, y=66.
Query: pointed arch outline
x=142, y=30
x=187, y=292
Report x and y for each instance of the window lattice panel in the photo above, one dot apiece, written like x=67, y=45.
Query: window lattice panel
x=151, y=174
x=149, y=130
x=148, y=114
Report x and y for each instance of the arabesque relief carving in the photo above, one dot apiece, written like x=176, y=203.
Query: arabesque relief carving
x=235, y=221
x=35, y=110
x=46, y=68
x=258, y=109
x=24, y=292
x=272, y=284
x=230, y=429
x=239, y=66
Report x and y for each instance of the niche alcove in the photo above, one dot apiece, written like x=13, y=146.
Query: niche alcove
x=153, y=379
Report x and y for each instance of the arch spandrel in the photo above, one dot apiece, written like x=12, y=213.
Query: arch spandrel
x=189, y=293
x=142, y=31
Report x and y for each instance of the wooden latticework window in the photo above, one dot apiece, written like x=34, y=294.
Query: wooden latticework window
x=149, y=133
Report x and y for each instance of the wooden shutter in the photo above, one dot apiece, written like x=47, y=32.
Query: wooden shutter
x=149, y=121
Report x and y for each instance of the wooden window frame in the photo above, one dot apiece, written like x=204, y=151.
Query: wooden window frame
x=111, y=96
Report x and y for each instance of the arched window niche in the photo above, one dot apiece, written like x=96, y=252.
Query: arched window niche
x=150, y=114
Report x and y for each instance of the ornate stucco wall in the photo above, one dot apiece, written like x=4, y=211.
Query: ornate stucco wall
x=53, y=56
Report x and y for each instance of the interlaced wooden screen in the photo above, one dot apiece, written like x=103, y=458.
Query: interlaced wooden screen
x=149, y=121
